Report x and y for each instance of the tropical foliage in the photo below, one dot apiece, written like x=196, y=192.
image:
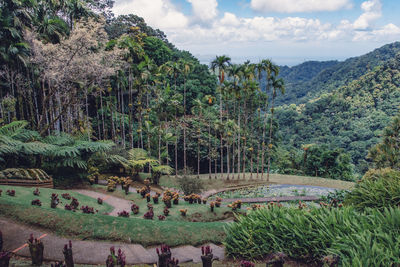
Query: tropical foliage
x=358, y=239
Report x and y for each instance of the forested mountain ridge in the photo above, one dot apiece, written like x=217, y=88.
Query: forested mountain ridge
x=304, y=72
x=300, y=90
x=351, y=117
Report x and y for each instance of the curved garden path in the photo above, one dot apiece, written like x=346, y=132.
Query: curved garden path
x=119, y=204
x=90, y=252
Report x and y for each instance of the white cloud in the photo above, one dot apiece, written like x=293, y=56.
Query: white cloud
x=292, y=6
x=372, y=11
x=204, y=10
x=157, y=13
x=206, y=31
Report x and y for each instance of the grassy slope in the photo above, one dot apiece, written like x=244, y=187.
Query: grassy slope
x=24, y=196
x=103, y=227
x=198, y=212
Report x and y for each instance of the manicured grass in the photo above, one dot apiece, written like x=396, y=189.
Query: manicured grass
x=103, y=227
x=24, y=196
x=209, y=184
x=195, y=212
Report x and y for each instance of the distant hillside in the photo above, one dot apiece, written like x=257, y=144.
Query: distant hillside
x=305, y=81
x=305, y=71
x=350, y=117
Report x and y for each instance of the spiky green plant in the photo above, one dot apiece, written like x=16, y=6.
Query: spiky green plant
x=368, y=238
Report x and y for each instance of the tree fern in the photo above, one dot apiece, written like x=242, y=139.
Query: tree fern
x=14, y=128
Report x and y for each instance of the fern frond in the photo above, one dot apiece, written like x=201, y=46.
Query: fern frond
x=14, y=128
x=73, y=163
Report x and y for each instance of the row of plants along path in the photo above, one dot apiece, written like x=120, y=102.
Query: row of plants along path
x=165, y=259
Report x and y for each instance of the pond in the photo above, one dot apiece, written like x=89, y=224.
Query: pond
x=278, y=190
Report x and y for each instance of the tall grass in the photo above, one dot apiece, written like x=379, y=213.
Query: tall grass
x=369, y=238
x=379, y=193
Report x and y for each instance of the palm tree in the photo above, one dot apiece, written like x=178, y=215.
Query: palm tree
x=277, y=85
x=186, y=68
x=271, y=70
x=221, y=63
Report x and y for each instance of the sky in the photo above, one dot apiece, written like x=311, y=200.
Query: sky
x=287, y=31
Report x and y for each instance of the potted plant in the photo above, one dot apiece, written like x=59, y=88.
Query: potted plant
x=135, y=209
x=166, y=211
x=246, y=264
x=155, y=198
x=164, y=255
x=36, y=249
x=167, y=201
x=116, y=260
x=183, y=212
x=212, y=204
x=36, y=192
x=74, y=203
x=206, y=256
x=99, y=201
x=5, y=257
x=67, y=251
x=54, y=201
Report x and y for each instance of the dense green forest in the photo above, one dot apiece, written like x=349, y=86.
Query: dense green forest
x=311, y=79
x=74, y=75
x=351, y=117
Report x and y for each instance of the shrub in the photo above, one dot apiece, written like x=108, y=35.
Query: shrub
x=36, y=202
x=11, y=193
x=310, y=235
x=123, y=213
x=149, y=215
x=190, y=185
x=87, y=210
x=379, y=188
x=66, y=196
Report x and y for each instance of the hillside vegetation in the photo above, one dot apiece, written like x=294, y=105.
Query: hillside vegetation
x=351, y=117
x=304, y=82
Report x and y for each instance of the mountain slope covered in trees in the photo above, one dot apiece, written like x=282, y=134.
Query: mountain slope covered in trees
x=351, y=117
x=304, y=83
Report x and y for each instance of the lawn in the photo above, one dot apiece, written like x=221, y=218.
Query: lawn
x=195, y=212
x=103, y=227
x=24, y=196
x=217, y=184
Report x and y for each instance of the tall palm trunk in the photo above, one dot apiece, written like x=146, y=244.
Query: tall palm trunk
x=238, y=153
x=209, y=151
x=198, y=153
x=245, y=140
x=258, y=160
x=270, y=135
